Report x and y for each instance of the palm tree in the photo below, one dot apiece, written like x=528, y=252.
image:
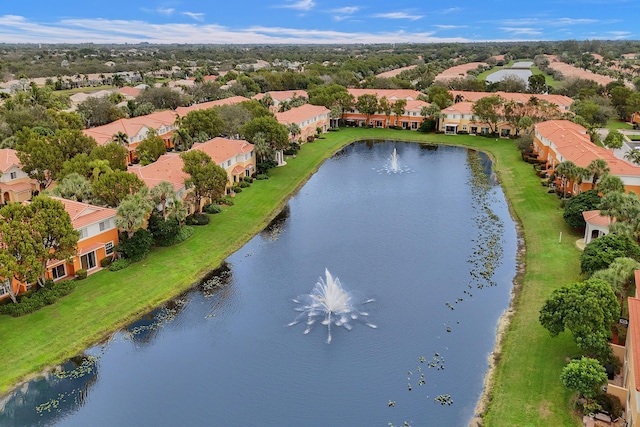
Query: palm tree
x=99, y=167
x=181, y=140
x=121, y=138
x=565, y=170
x=610, y=183
x=293, y=129
x=620, y=275
x=177, y=211
x=633, y=156
x=597, y=168
x=262, y=148
x=162, y=193
x=132, y=213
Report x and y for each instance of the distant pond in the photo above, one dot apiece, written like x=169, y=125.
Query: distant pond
x=421, y=242
x=518, y=69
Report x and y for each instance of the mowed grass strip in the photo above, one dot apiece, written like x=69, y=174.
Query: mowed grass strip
x=526, y=391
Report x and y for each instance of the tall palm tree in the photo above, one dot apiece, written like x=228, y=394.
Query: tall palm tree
x=293, y=129
x=610, y=183
x=262, y=148
x=132, y=213
x=161, y=194
x=176, y=210
x=597, y=168
x=565, y=170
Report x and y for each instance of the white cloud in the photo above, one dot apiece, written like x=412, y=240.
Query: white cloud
x=397, y=15
x=557, y=22
x=194, y=15
x=522, y=31
x=165, y=10
x=347, y=10
x=299, y=5
x=450, y=27
x=451, y=10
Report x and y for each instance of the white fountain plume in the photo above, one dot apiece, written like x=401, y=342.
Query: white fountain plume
x=329, y=303
x=394, y=161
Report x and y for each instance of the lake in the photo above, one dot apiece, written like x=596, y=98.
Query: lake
x=425, y=248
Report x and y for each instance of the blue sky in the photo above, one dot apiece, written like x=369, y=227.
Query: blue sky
x=316, y=21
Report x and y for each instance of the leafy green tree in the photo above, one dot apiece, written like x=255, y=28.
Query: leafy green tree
x=162, y=98
x=79, y=164
x=113, y=187
x=398, y=108
x=488, y=109
x=19, y=255
x=537, y=84
x=585, y=376
x=115, y=153
x=597, y=168
x=601, y=252
x=150, y=148
x=275, y=134
x=386, y=108
x=587, y=309
x=256, y=109
x=176, y=211
x=575, y=206
x=327, y=95
x=614, y=139
x=233, y=118
x=137, y=246
x=73, y=142
x=367, y=104
x=98, y=112
x=207, y=179
x=40, y=159
x=181, y=140
x=263, y=150
x=52, y=231
x=99, y=167
x=346, y=102
x=74, y=187
x=202, y=122
x=440, y=95
x=619, y=96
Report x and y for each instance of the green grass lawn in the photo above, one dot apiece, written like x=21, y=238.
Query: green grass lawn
x=527, y=390
x=614, y=123
x=84, y=89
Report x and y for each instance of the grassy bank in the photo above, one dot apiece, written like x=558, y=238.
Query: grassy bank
x=527, y=389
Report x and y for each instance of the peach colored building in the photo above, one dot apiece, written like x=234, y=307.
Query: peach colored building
x=280, y=96
x=597, y=225
x=235, y=156
x=308, y=118
x=410, y=119
x=15, y=185
x=558, y=140
x=136, y=129
x=459, y=118
x=561, y=101
x=183, y=111
x=629, y=391
x=98, y=237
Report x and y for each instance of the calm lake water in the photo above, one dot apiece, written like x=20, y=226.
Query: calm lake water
x=432, y=243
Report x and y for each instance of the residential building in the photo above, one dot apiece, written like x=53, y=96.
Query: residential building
x=98, y=237
x=281, y=96
x=411, y=118
x=597, y=225
x=15, y=185
x=308, y=117
x=235, y=156
x=558, y=140
x=183, y=111
x=136, y=130
x=561, y=101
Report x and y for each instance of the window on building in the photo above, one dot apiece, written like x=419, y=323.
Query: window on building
x=4, y=287
x=228, y=162
x=104, y=225
x=108, y=248
x=83, y=233
x=13, y=175
x=88, y=261
x=58, y=271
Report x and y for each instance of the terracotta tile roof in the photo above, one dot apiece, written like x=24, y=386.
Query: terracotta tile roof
x=168, y=167
x=416, y=105
x=83, y=214
x=19, y=187
x=634, y=331
x=391, y=94
x=8, y=158
x=221, y=149
x=131, y=127
x=573, y=143
x=301, y=113
x=129, y=91
x=594, y=217
x=282, y=95
x=459, y=107
x=559, y=100
x=183, y=111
